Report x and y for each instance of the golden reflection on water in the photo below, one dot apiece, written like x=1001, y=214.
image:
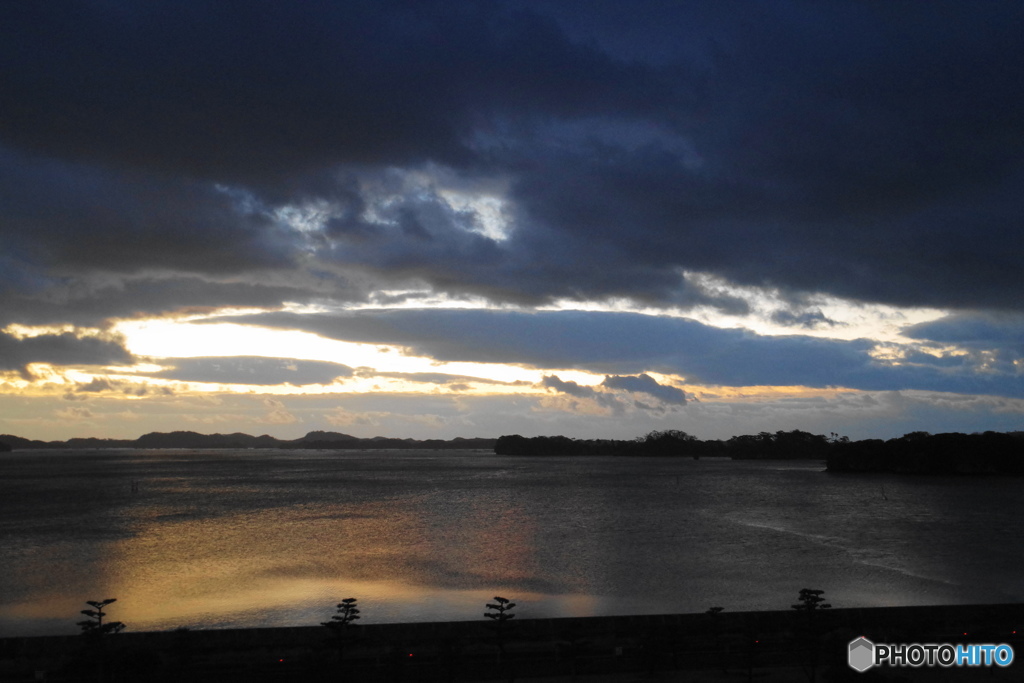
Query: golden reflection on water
x=175, y=556
x=175, y=571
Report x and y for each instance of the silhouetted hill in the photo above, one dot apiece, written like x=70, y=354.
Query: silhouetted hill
x=192, y=440
x=326, y=436
x=195, y=440
x=19, y=443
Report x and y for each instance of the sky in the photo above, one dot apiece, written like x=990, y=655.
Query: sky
x=434, y=219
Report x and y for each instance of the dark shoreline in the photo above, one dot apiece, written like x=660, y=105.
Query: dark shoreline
x=954, y=453
x=192, y=440
x=536, y=647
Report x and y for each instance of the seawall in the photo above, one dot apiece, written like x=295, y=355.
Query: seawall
x=538, y=647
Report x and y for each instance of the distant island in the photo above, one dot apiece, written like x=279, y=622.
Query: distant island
x=779, y=445
x=924, y=453
x=316, y=439
x=913, y=453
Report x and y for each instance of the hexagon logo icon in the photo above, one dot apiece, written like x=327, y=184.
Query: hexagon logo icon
x=862, y=654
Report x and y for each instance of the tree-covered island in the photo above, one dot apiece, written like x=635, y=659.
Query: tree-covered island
x=676, y=443
x=913, y=453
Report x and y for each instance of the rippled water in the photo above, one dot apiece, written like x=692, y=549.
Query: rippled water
x=258, y=538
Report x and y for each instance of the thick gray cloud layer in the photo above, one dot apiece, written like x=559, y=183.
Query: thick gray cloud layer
x=973, y=329
x=255, y=370
x=626, y=343
x=59, y=349
x=163, y=155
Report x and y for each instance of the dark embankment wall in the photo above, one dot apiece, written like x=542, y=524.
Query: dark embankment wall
x=540, y=647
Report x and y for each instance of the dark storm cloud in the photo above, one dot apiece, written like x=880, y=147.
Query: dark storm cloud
x=626, y=343
x=72, y=217
x=416, y=236
x=259, y=91
x=867, y=150
x=134, y=113
x=59, y=349
x=82, y=245
x=254, y=370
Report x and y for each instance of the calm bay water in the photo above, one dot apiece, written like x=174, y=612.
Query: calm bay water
x=219, y=539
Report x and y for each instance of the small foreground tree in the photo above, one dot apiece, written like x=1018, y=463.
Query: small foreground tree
x=811, y=603
x=501, y=613
x=811, y=600
x=94, y=626
x=343, y=623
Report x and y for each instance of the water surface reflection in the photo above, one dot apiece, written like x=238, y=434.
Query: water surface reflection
x=260, y=538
